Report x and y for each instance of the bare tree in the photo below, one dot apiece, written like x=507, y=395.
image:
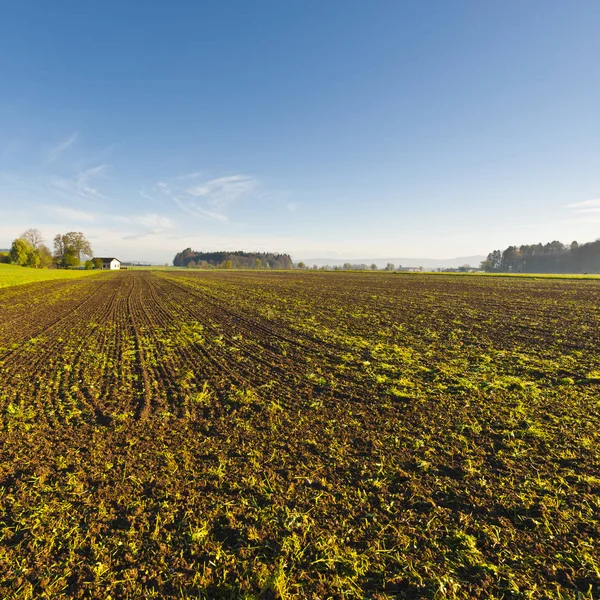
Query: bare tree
x=34, y=237
x=59, y=246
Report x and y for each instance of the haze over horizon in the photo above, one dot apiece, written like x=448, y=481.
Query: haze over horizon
x=338, y=130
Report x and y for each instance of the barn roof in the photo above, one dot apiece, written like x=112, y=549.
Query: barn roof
x=107, y=259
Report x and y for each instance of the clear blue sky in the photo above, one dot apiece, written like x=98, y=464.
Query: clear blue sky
x=337, y=129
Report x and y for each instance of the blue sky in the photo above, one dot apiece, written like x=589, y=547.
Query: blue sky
x=324, y=129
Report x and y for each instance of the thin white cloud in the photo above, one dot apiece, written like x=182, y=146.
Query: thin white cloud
x=222, y=191
x=147, y=196
x=593, y=218
x=141, y=236
x=194, y=175
x=151, y=220
x=163, y=187
x=585, y=203
x=72, y=214
x=55, y=152
x=215, y=216
x=81, y=185
x=588, y=210
x=198, y=211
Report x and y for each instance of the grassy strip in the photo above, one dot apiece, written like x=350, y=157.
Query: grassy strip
x=14, y=275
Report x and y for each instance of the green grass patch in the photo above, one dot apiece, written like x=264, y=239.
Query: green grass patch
x=14, y=275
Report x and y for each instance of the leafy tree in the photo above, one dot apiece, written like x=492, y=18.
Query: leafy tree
x=228, y=264
x=78, y=244
x=70, y=259
x=46, y=258
x=34, y=259
x=70, y=248
x=191, y=264
x=373, y=267
x=301, y=265
x=20, y=252
x=97, y=263
x=493, y=262
x=389, y=267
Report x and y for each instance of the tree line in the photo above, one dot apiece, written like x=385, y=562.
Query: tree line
x=347, y=267
x=232, y=260
x=553, y=257
x=70, y=250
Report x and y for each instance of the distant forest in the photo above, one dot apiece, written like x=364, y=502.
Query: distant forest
x=553, y=257
x=232, y=260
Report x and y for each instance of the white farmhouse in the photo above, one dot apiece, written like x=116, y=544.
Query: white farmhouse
x=110, y=264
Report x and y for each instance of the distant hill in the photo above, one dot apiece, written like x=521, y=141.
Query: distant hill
x=426, y=263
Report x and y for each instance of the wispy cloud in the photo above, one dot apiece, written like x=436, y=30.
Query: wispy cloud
x=192, y=208
x=194, y=175
x=54, y=153
x=207, y=200
x=584, y=212
x=151, y=220
x=593, y=218
x=82, y=184
x=72, y=214
x=222, y=191
x=141, y=236
x=588, y=210
x=585, y=203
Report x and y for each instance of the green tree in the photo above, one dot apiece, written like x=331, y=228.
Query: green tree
x=46, y=258
x=78, y=244
x=70, y=259
x=20, y=252
x=97, y=263
x=301, y=265
x=373, y=267
x=34, y=259
x=228, y=264
x=70, y=248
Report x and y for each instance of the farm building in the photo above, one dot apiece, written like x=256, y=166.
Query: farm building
x=110, y=264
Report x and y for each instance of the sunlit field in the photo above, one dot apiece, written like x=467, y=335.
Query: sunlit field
x=285, y=435
x=14, y=275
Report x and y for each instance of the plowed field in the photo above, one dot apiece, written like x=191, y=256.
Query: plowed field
x=300, y=435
